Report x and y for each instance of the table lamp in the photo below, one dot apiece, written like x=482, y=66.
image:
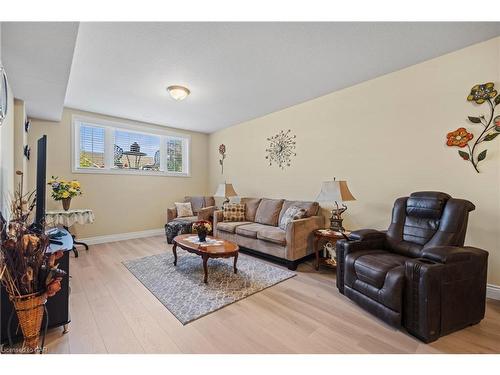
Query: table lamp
x=225, y=190
x=337, y=192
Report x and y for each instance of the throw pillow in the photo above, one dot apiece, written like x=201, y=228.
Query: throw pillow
x=251, y=207
x=292, y=213
x=268, y=211
x=233, y=212
x=184, y=209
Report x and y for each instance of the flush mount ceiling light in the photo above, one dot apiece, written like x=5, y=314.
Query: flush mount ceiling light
x=178, y=92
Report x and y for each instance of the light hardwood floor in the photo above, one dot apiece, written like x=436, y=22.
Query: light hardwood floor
x=112, y=312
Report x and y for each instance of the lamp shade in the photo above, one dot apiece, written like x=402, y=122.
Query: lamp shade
x=335, y=191
x=225, y=191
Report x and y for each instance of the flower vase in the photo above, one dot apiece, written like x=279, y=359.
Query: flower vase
x=66, y=202
x=30, y=309
x=202, y=235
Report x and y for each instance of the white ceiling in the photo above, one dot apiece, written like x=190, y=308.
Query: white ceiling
x=37, y=57
x=235, y=71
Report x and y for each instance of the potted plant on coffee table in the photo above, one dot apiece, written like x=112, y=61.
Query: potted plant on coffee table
x=202, y=228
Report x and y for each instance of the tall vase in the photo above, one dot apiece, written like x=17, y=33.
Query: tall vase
x=66, y=203
x=29, y=311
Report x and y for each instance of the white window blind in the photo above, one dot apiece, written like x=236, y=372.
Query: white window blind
x=91, y=147
x=175, y=154
x=136, y=150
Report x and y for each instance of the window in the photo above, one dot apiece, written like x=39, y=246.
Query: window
x=175, y=149
x=106, y=147
x=91, y=147
x=136, y=151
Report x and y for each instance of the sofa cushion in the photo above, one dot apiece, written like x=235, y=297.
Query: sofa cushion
x=372, y=268
x=184, y=209
x=190, y=219
x=292, y=213
x=272, y=234
x=197, y=203
x=378, y=275
x=310, y=207
x=233, y=212
x=230, y=226
x=251, y=205
x=249, y=230
x=268, y=211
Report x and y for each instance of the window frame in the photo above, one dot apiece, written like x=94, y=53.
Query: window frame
x=109, y=128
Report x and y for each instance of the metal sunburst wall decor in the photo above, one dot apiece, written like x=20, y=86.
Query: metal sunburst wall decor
x=281, y=149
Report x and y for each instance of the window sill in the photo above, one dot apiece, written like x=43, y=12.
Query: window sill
x=132, y=172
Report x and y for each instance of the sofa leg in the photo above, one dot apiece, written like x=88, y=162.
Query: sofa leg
x=292, y=265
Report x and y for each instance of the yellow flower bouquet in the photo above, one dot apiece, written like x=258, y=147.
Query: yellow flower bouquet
x=62, y=189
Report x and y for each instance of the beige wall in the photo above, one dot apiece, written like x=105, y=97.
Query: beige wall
x=20, y=139
x=385, y=136
x=7, y=157
x=121, y=203
x=6, y=150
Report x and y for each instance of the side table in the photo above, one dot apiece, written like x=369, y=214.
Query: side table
x=68, y=219
x=328, y=236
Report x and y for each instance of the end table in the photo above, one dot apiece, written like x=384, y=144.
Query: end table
x=69, y=218
x=326, y=235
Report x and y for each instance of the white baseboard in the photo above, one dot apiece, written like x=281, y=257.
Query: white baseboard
x=493, y=291
x=121, y=236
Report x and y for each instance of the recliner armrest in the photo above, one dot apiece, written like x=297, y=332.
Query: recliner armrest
x=446, y=254
x=367, y=234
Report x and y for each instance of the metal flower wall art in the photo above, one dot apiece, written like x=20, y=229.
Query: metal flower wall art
x=489, y=125
x=222, y=152
x=281, y=149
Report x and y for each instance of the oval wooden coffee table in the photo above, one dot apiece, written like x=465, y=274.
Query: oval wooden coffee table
x=226, y=249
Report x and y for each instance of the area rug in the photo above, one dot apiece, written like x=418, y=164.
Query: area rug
x=182, y=291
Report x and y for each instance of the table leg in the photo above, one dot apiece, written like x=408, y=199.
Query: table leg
x=205, y=268
x=235, y=260
x=75, y=251
x=316, y=250
x=174, y=250
x=80, y=243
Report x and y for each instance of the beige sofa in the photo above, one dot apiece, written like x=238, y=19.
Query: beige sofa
x=260, y=231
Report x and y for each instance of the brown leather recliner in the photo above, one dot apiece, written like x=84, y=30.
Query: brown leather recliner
x=417, y=274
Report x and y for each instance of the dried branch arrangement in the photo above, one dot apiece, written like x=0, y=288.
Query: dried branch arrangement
x=25, y=265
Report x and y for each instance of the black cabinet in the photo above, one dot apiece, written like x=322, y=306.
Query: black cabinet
x=57, y=307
